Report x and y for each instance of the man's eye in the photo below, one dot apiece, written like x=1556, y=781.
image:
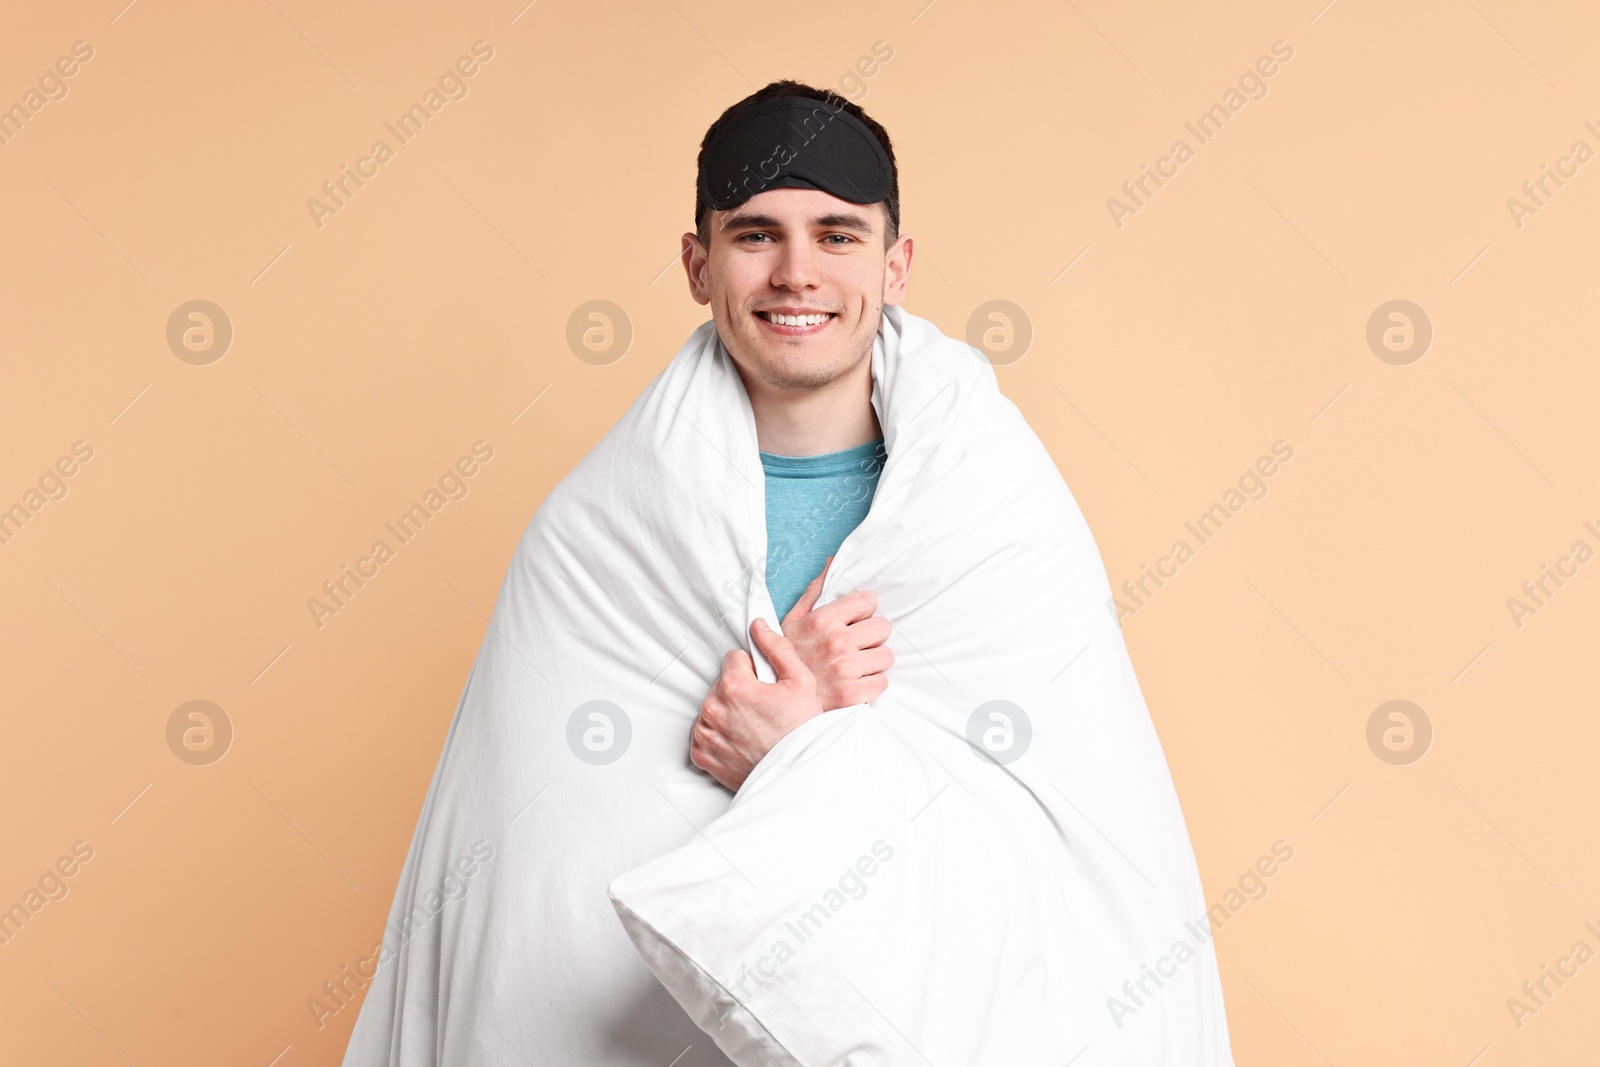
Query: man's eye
x=846, y=236
x=748, y=236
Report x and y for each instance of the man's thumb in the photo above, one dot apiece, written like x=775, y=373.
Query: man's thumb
x=808, y=599
x=779, y=650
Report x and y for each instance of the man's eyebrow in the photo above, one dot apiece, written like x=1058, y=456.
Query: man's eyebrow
x=841, y=220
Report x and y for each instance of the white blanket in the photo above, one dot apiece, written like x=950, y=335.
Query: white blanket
x=986, y=865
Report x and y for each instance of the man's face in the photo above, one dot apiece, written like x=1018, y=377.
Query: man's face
x=793, y=252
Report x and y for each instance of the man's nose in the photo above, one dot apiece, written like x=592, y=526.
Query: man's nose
x=796, y=267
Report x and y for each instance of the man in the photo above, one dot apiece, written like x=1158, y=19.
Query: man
x=985, y=887
x=796, y=278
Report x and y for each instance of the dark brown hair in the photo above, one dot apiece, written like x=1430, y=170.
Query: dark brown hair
x=891, y=204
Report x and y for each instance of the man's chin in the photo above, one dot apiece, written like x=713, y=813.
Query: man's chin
x=787, y=369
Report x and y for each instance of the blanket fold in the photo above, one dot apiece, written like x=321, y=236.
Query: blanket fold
x=981, y=866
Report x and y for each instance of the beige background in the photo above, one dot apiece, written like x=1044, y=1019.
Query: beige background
x=1228, y=313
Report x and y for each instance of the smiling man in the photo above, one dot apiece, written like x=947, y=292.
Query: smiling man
x=1007, y=794
x=797, y=248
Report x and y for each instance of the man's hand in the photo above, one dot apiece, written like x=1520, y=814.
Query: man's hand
x=842, y=644
x=744, y=717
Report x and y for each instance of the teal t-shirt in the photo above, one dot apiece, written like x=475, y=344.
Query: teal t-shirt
x=813, y=502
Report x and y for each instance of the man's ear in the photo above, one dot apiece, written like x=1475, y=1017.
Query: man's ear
x=897, y=270
x=694, y=267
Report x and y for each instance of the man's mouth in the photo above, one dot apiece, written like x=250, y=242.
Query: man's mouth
x=796, y=325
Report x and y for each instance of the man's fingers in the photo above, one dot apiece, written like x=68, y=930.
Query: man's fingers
x=710, y=755
x=808, y=599
x=779, y=650
x=870, y=632
x=738, y=662
x=852, y=607
x=868, y=689
x=870, y=661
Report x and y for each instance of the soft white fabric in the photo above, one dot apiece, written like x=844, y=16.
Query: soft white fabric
x=938, y=906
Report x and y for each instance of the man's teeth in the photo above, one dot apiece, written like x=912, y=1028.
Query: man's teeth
x=795, y=320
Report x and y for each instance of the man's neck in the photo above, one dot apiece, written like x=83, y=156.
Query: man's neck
x=815, y=422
